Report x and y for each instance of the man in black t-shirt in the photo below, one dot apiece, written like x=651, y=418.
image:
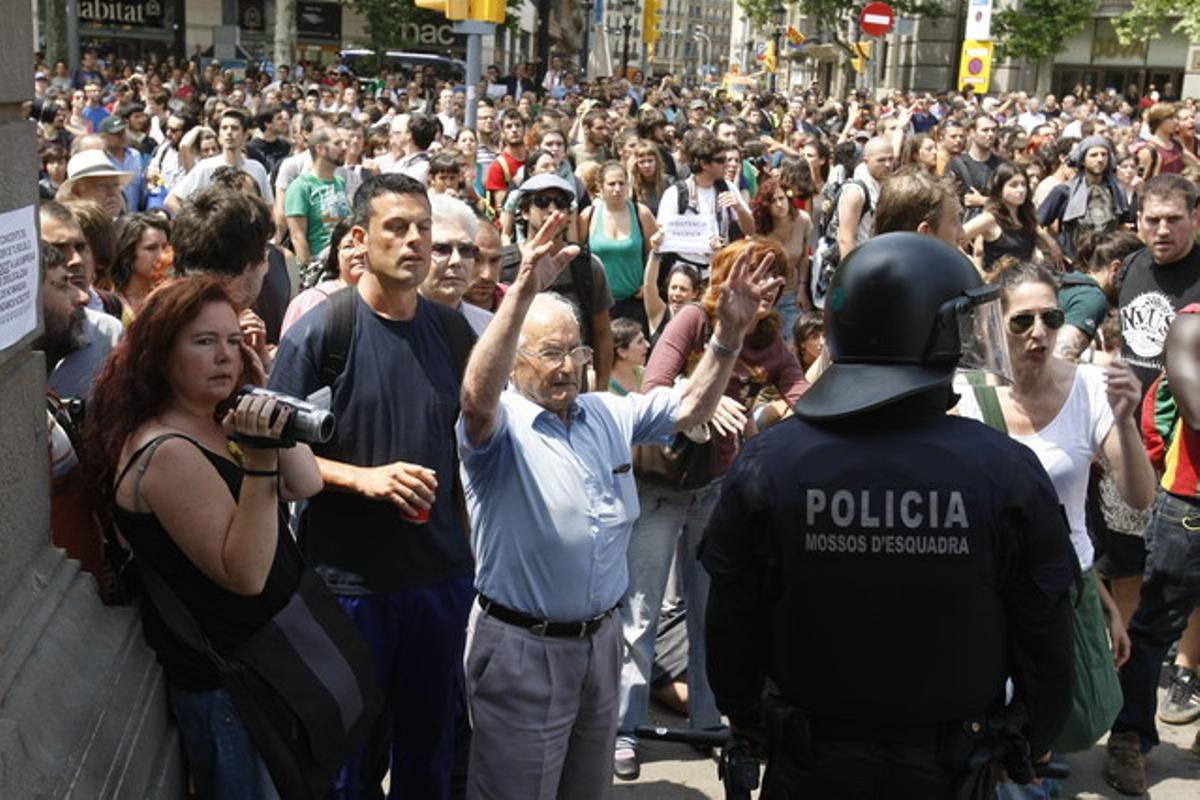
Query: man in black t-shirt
x=387, y=533
x=1162, y=278
x=270, y=144
x=972, y=170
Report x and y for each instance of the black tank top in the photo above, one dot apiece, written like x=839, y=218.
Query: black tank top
x=1017, y=243
x=227, y=618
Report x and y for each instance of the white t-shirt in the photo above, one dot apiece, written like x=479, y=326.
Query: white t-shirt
x=1066, y=446
x=201, y=177
x=702, y=203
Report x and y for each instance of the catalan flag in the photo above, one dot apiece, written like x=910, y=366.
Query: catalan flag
x=794, y=37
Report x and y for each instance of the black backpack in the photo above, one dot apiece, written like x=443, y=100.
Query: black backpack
x=339, y=332
x=826, y=255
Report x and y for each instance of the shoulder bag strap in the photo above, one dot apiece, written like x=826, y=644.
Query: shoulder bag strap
x=988, y=402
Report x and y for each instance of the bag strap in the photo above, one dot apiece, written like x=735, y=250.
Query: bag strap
x=988, y=401
x=339, y=332
x=459, y=336
x=175, y=614
x=148, y=448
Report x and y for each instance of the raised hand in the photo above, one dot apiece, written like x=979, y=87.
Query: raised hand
x=1124, y=390
x=744, y=292
x=540, y=263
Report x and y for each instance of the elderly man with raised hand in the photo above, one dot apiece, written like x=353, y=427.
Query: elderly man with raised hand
x=549, y=484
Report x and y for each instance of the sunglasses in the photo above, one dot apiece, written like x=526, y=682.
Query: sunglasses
x=544, y=201
x=443, y=250
x=1021, y=323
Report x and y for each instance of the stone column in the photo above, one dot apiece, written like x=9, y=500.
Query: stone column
x=82, y=700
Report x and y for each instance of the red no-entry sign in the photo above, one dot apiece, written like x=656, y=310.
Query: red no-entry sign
x=877, y=19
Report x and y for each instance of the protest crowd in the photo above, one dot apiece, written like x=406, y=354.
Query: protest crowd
x=545, y=340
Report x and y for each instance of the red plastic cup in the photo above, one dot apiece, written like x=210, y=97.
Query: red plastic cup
x=420, y=518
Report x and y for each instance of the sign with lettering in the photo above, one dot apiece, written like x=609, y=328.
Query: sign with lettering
x=691, y=233
x=122, y=13
x=320, y=21
x=252, y=15
x=19, y=275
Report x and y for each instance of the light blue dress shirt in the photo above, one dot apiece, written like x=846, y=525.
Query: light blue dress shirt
x=552, y=507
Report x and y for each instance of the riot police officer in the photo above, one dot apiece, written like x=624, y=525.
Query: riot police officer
x=882, y=567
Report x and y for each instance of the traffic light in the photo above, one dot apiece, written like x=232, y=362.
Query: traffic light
x=651, y=22
x=479, y=10
x=862, y=54
x=488, y=11
x=450, y=9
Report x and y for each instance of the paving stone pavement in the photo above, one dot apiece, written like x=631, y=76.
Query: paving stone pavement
x=677, y=772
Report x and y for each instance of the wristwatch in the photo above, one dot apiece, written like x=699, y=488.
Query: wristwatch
x=722, y=350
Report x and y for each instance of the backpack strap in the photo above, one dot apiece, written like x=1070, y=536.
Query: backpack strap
x=339, y=332
x=459, y=336
x=682, y=196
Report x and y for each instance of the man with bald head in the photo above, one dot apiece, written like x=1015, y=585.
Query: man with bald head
x=548, y=477
x=860, y=196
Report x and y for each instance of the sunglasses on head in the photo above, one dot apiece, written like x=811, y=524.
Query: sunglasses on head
x=1021, y=323
x=544, y=201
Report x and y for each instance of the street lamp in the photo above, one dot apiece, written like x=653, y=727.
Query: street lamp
x=779, y=15
x=628, y=10
x=588, y=5
x=706, y=39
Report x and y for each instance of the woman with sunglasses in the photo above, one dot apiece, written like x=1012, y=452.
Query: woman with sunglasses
x=1068, y=414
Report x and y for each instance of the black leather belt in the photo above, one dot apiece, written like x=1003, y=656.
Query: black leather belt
x=543, y=627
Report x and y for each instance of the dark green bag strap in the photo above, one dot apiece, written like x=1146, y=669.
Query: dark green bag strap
x=988, y=401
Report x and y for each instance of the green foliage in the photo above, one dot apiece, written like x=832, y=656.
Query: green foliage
x=1036, y=29
x=833, y=16
x=1146, y=20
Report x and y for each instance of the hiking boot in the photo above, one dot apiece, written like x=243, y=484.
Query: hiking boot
x=625, y=762
x=1182, y=703
x=1125, y=765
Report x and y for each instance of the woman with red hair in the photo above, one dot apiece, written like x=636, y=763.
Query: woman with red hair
x=777, y=218
x=667, y=512
x=198, y=509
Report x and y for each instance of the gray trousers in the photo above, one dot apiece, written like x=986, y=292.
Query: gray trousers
x=543, y=711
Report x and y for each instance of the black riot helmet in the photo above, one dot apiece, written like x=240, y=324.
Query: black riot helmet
x=904, y=311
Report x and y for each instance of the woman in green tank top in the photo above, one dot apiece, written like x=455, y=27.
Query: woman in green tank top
x=619, y=231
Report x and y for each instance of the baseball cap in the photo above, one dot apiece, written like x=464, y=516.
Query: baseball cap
x=547, y=180
x=112, y=124
x=41, y=76
x=697, y=104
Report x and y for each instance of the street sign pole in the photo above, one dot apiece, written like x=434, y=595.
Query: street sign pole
x=474, y=31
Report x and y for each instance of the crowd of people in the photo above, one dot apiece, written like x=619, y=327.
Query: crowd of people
x=546, y=338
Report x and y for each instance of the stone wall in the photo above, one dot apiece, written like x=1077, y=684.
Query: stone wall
x=82, y=701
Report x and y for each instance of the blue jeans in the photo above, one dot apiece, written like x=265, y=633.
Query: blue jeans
x=666, y=515
x=220, y=756
x=789, y=311
x=1170, y=592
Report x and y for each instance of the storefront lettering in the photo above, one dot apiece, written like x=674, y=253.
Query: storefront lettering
x=427, y=33
x=1112, y=48
x=142, y=13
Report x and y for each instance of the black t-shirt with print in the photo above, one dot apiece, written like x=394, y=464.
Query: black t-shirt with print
x=1150, y=295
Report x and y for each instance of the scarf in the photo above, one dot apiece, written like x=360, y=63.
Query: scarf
x=1077, y=187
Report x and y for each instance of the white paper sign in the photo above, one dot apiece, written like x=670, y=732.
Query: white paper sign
x=688, y=234
x=19, y=274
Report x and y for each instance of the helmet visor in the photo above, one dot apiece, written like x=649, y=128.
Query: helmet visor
x=982, y=337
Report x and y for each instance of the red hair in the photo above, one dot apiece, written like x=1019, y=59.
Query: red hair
x=722, y=264
x=132, y=386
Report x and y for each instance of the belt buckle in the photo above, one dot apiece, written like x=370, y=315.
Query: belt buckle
x=583, y=630
x=540, y=628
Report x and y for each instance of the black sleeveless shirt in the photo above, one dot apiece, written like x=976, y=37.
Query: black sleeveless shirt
x=227, y=619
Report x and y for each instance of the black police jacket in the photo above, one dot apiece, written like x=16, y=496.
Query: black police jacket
x=896, y=565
